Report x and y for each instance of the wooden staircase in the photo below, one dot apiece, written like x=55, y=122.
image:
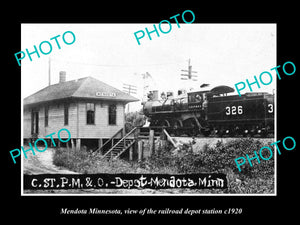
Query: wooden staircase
x=121, y=146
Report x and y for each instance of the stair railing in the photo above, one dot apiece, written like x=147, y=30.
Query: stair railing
x=111, y=139
x=124, y=138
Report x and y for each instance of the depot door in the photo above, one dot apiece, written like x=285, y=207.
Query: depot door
x=34, y=122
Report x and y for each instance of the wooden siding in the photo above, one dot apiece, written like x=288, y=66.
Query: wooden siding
x=77, y=122
x=26, y=123
x=101, y=128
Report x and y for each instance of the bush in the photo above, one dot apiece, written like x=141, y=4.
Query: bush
x=72, y=159
x=83, y=161
x=219, y=159
x=223, y=156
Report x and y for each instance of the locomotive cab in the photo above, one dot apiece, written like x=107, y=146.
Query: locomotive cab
x=197, y=100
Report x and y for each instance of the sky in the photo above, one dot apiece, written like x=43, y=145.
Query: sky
x=221, y=54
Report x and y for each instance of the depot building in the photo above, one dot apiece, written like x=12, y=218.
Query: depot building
x=91, y=110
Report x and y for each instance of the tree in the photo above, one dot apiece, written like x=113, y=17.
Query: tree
x=134, y=119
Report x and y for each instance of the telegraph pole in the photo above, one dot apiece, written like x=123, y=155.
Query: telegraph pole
x=189, y=75
x=145, y=76
x=49, y=62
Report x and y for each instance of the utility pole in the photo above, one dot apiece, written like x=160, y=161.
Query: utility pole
x=145, y=77
x=189, y=75
x=129, y=89
x=49, y=62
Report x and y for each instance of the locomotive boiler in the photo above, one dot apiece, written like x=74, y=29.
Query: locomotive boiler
x=212, y=112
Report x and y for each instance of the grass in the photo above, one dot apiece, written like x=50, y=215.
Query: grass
x=219, y=159
x=88, y=162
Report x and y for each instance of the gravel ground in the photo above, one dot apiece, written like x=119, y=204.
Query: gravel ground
x=42, y=163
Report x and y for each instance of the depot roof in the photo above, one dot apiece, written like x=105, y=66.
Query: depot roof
x=84, y=88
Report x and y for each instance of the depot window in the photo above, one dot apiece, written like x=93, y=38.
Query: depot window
x=46, y=115
x=66, y=114
x=90, y=113
x=112, y=114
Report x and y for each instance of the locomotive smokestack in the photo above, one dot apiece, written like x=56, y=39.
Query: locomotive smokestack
x=155, y=95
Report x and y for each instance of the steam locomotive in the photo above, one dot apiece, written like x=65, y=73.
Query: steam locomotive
x=212, y=112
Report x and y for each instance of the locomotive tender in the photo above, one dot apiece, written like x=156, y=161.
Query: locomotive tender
x=212, y=112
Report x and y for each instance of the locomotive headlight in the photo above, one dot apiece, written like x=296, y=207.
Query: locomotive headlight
x=246, y=131
x=227, y=131
x=259, y=131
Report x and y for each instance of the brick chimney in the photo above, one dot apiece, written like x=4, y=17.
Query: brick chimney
x=62, y=76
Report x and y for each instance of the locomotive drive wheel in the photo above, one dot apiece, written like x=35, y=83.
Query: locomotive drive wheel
x=177, y=124
x=177, y=127
x=190, y=127
x=165, y=123
x=153, y=123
